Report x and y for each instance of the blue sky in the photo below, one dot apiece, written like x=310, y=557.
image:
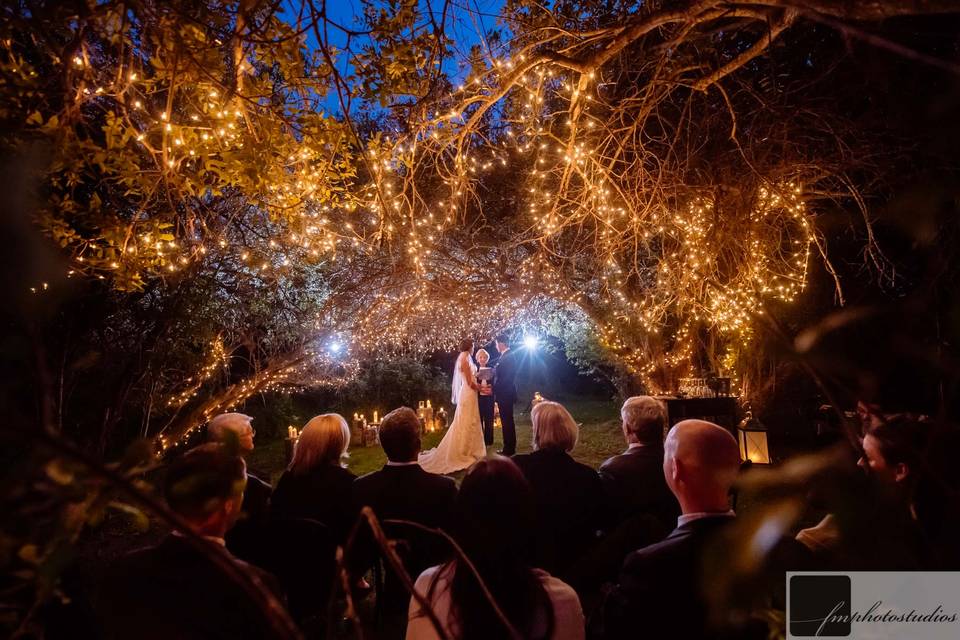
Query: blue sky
x=468, y=23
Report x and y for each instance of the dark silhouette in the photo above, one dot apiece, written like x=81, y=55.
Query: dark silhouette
x=176, y=589
x=505, y=393
x=401, y=490
x=315, y=486
x=633, y=481
x=569, y=496
x=494, y=527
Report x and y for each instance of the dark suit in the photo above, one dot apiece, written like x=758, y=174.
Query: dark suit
x=633, y=483
x=174, y=590
x=244, y=537
x=569, y=501
x=664, y=588
x=324, y=494
x=407, y=492
x=505, y=395
x=659, y=592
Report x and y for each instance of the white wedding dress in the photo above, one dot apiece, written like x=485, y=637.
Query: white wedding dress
x=462, y=445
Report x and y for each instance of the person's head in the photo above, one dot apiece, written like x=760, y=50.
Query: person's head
x=466, y=345
x=234, y=427
x=553, y=427
x=323, y=440
x=400, y=435
x=482, y=357
x=205, y=487
x=644, y=419
x=495, y=482
x=495, y=527
x=893, y=451
x=700, y=464
x=503, y=342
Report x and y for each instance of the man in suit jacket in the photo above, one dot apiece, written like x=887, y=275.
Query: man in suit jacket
x=633, y=481
x=236, y=430
x=402, y=490
x=660, y=591
x=187, y=587
x=505, y=393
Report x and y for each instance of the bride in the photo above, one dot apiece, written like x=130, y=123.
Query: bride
x=462, y=445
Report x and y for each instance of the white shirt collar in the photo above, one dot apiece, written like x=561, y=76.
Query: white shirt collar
x=687, y=518
x=391, y=463
x=635, y=445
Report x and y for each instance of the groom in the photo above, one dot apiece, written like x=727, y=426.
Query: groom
x=505, y=393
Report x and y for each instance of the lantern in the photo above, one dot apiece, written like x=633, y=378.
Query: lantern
x=752, y=436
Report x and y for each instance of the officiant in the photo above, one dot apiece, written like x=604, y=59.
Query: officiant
x=485, y=397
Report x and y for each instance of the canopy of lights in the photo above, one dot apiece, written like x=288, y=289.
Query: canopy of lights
x=558, y=173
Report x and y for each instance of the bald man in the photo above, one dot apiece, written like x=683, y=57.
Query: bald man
x=659, y=590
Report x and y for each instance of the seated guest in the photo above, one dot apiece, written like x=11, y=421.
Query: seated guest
x=187, y=587
x=633, y=481
x=315, y=485
x=569, y=496
x=494, y=527
x=402, y=490
x=896, y=497
x=660, y=594
x=235, y=430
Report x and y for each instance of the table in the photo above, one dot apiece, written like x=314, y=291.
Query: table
x=721, y=410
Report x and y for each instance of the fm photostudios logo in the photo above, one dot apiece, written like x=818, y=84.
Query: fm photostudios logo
x=819, y=606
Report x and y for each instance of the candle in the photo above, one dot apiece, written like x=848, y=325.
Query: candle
x=428, y=404
x=374, y=415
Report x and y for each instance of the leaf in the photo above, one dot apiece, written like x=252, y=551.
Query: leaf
x=57, y=472
x=29, y=553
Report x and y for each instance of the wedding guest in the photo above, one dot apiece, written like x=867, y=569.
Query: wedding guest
x=899, y=498
x=633, y=481
x=236, y=430
x=485, y=399
x=494, y=527
x=188, y=588
x=640, y=509
x=315, y=485
x=569, y=496
x=661, y=584
x=402, y=490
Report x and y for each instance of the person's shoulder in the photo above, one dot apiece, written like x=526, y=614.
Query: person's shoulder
x=343, y=473
x=557, y=589
x=655, y=553
x=611, y=463
x=585, y=472
x=427, y=575
x=132, y=561
x=368, y=479
x=438, y=482
x=522, y=459
x=257, y=482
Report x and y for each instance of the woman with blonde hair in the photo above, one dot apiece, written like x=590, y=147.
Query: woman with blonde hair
x=568, y=494
x=316, y=485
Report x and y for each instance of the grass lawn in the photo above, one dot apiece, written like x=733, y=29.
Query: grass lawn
x=600, y=438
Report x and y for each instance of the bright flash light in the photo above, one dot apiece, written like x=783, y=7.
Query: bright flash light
x=335, y=347
x=530, y=342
